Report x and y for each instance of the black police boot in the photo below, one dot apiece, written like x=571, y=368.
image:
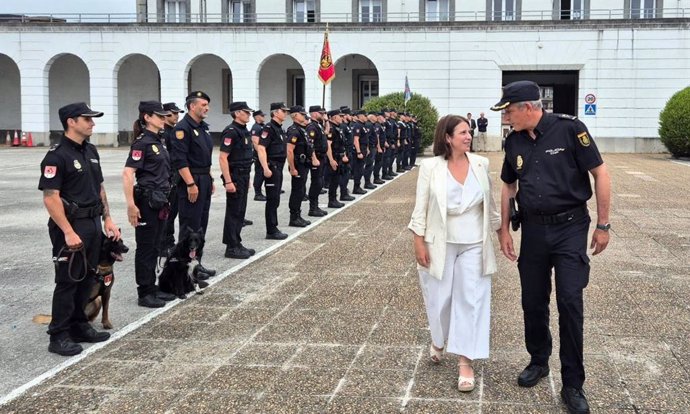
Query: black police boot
x=530, y=376
x=298, y=221
x=333, y=203
x=357, y=190
x=401, y=170
x=393, y=173
x=236, y=253
x=378, y=181
x=151, y=301
x=278, y=235
x=64, y=347
x=202, y=269
x=369, y=186
x=315, y=211
x=247, y=222
x=345, y=196
x=251, y=252
x=85, y=333
x=575, y=400
x=165, y=296
x=259, y=197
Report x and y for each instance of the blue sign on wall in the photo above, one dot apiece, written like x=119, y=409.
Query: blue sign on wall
x=590, y=109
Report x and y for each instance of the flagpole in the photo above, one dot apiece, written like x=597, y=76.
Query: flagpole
x=323, y=93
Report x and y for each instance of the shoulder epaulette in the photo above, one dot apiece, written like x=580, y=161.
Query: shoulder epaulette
x=54, y=147
x=566, y=116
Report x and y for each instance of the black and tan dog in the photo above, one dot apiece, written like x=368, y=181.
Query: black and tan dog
x=181, y=273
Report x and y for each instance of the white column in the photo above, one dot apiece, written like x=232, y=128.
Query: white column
x=34, y=101
x=173, y=84
x=104, y=99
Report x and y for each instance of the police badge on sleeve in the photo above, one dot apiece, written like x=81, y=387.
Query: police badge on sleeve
x=49, y=171
x=136, y=155
x=583, y=137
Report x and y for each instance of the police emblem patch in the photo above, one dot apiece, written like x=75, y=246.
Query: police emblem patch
x=264, y=134
x=77, y=165
x=49, y=171
x=312, y=133
x=294, y=140
x=179, y=134
x=519, y=162
x=227, y=141
x=155, y=149
x=136, y=155
x=583, y=137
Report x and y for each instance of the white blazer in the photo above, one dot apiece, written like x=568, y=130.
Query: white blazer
x=429, y=215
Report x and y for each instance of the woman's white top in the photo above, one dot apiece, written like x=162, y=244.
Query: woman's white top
x=465, y=210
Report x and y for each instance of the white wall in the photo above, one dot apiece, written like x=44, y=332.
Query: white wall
x=334, y=11
x=206, y=75
x=10, y=111
x=68, y=82
x=273, y=80
x=341, y=87
x=137, y=80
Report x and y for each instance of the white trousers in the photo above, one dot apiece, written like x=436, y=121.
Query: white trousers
x=458, y=306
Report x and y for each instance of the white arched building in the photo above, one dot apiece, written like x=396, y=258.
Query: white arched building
x=615, y=66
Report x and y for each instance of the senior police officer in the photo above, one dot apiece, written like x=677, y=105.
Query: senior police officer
x=190, y=154
x=552, y=156
x=337, y=158
x=235, y=162
x=316, y=134
x=300, y=156
x=272, y=155
x=75, y=198
x=168, y=136
x=259, y=118
x=147, y=201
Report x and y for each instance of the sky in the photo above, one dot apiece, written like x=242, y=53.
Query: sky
x=66, y=6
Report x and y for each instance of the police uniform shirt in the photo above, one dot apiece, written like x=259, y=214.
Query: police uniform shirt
x=372, y=136
x=273, y=139
x=256, y=129
x=74, y=170
x=317, y=137
x=236, y=142
x=553, y=169
x=168, y=136
x=297, y=136
x=391, y=132
x=151, y=160
x=359, y=130
x=335, y=136
x=347, y=135
x=192, y=146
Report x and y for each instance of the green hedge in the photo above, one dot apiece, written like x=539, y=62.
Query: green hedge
x=674, y=124
x=421, y=107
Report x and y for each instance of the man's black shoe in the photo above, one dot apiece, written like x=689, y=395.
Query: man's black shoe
x=279, y=235
x=247, y=223
x=401, y=170
x=259, y=197
x=251, y=252
x=335, y=204
x=369, y=186
x=202, y=269
x=378, y=181
x=317, y=213
x=575, y=400
x=357, y=190
x=408, y=168
x=64, y=347
x=236, y=253
x=165, y=296
x=530, y=376
x=299, y=222
x=346, y=198
x=88, y=334
x=388, y=177
x=393, y=173
x=202, y=276
x=151, y=301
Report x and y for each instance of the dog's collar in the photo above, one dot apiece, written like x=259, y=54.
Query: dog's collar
x=104, y=270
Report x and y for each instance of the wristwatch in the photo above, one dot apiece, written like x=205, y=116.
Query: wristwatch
x=192, y=184
x=605, y=227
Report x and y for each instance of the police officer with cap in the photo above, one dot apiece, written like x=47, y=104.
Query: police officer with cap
x=337, y=157
x=147, y=200
x=258, y=126
x=348, y=138
x=360, y=140
x=74, y=195
x=168, y=136
x=300, y=156
x=372, y=150
x=552, y=156
x=316, y=135
x=272, y=155
x=190, y=154
x=235, y=162
x=381, y=149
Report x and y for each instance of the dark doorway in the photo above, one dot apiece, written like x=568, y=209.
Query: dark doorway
x=559, y=87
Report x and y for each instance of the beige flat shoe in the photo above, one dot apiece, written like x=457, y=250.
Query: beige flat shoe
x=435, y=354
x=466, y=384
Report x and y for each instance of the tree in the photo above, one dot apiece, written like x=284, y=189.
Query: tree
x=674, y=124
x=420, y=106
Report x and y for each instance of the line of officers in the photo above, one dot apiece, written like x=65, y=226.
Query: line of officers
x=175, y=158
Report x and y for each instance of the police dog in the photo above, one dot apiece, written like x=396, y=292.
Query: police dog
x=180, y=273
x=111, y=252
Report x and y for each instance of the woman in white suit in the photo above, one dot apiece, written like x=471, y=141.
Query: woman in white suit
x=452, y=222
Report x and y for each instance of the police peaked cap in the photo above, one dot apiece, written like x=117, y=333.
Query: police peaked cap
x=77, y=109
x=334, y=112
x=172, y=107
x=240, y=106
x=520, y=91
x=199, y=95
x=297, y=109
x=316, y=108
x=358, y=112
x=259, y=112
x=279, y=105
x=345, y=110
x=152, y=107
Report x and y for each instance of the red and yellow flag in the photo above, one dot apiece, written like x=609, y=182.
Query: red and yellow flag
x=326, y=67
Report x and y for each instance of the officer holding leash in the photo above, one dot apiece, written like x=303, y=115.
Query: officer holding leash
x=74, y=195
x=147, y=200
x=552, y=157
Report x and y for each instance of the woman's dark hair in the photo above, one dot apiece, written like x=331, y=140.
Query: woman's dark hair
x=444, y=127
x=138, y=127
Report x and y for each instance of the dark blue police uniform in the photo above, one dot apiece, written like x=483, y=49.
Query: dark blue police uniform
x=316, y=135
x=258, y=170
x=302, y=152
x=334, y=177
x=372, y=140
x=273, y=139
x=361, y=133
x=169, y=236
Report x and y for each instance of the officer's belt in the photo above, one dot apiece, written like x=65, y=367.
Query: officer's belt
x=241, y=169
x=277, y=159
x=558, y=218
x=87, y=212
x=200, y=170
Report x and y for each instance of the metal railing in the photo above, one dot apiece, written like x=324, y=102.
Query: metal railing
x=460, y=16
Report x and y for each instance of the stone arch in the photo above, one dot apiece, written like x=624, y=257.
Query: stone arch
x=68, y=82
x=356, y=81
x=211, y=73
x=137, y=79
x=10, y=90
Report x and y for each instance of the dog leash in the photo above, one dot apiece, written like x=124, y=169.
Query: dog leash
x=72, y=252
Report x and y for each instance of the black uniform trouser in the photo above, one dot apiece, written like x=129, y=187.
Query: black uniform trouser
x=236, y=207
x=298, y=189
x=172, y=215
x=358, y=166
x=274, y=184
x=369, y=165
x=397, y=155
x=562, y=247
x=405, y=155
x=258, y=177
x=378, y=164
x=335, y=177
x=388, y=155
x=194, y=216
x=316, y=184
x=146, y=234
x=70, y=297
x=345, y=173
x=414, y=147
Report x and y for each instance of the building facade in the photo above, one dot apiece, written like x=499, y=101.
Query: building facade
x=614, y=65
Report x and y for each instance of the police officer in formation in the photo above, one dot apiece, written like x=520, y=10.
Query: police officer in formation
x=348, y=139
x=391, y=131
x=372, y=151
x=259, y=118
x=300, y=156
x=147, y=200
x=381, y=148
x=235, y=161
x=190, y=154
x=360, y=139
x=317, y=136
x=74, y=195
x=168, y=136
x=337, y=157
x=551, y=156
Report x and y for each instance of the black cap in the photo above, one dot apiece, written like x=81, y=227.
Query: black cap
x=382, y=113
x=240, y=106
x=259, y=112
x=77, y=109
x=279, y=105
x=297, y=109
x=334, y=112
x=152, y=107
x=519, y=91
x=316, y=108
x=393, y=110
x=198, y=94
x=358, y=112
x=345, y=110
x=172, y=107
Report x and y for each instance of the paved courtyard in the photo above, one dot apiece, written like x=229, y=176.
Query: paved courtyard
x=333, y=320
